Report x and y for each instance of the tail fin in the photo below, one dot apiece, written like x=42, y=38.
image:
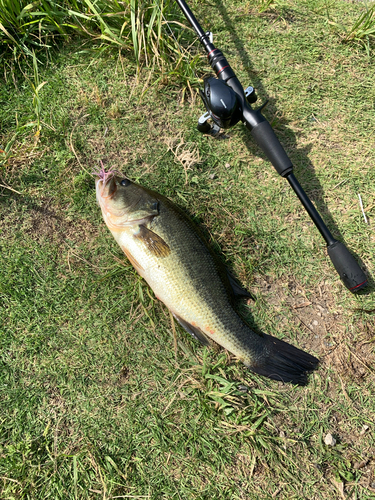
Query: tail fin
x=285, y=362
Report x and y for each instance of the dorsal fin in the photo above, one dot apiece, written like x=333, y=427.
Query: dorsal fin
x=237, y=289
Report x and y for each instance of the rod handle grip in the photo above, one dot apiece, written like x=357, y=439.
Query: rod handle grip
x=267, y=140
x=347, y=267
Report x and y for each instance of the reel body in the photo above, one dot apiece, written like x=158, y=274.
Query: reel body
x=222, y=104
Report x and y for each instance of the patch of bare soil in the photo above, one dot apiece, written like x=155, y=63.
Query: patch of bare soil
x=350, y=355
x=44, y=220
x=49, y=224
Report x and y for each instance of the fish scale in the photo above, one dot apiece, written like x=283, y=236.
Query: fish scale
x=170, y=253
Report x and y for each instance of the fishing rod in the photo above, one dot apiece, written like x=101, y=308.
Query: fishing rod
x=227, y=103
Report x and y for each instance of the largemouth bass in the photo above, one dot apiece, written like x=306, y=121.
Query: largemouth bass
x=170, y=253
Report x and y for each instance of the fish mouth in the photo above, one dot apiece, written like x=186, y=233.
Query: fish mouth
x=106, y=185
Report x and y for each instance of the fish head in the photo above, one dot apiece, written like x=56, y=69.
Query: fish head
x=123, y=202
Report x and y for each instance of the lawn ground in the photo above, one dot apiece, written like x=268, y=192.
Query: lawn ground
x=95, y=402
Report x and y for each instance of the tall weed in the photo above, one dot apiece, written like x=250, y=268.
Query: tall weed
x=130, y=24
x=363, y=30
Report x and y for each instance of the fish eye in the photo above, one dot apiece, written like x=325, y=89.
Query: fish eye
x=125, y=182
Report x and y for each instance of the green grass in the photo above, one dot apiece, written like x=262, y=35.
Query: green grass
x=133, y=25
x=363, y=29
x=93, y=401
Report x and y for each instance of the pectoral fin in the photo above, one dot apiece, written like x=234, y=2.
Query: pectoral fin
x=194, y=331
x=153, y=242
